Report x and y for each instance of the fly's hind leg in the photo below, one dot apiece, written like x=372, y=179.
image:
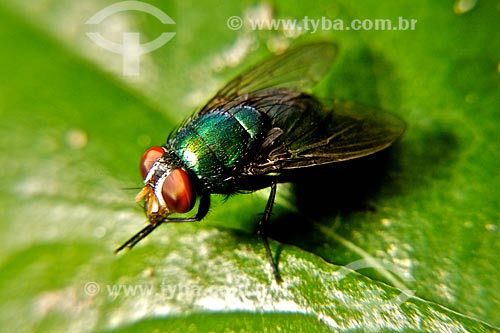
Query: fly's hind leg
x=262, y=229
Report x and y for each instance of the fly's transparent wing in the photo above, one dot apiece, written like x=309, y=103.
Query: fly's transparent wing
x=298, y=68
x=307, y=133
x=348, y=131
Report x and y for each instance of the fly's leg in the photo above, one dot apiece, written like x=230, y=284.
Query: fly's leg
x=200, y=214
x=261, y=231
x=138, y=237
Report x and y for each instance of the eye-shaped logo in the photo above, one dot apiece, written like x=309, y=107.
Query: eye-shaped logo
x=131, y=49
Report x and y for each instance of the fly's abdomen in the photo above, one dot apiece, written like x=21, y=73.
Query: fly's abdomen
x=215, y=143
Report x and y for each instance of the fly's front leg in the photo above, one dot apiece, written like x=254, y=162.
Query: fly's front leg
x=262, y=229
x=200, y=214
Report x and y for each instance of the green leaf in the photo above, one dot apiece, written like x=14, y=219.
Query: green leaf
x=403, y=241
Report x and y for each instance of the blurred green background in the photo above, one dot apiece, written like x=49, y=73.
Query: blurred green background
x=424, y=216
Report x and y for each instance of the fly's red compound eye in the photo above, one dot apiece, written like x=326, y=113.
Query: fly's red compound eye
x=177, y=192
x=149, y=158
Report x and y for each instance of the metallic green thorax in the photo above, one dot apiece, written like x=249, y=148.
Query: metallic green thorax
x=214, y=144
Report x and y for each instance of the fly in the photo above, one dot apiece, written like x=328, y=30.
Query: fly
x=252, y=134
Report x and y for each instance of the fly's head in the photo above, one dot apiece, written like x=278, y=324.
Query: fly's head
x=167, y=189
